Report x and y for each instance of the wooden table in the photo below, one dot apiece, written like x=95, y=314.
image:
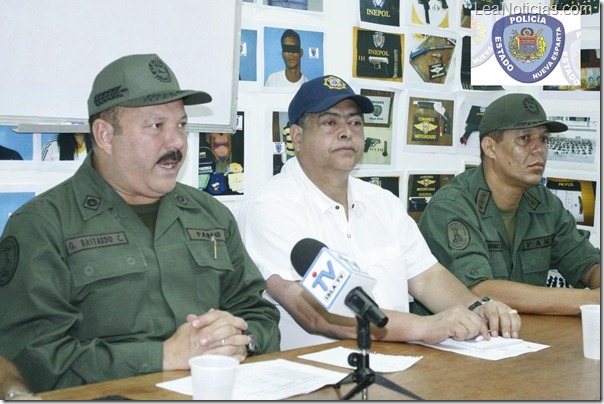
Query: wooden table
x=557, y=373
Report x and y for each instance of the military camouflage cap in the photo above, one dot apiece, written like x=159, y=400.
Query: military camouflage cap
x=516, y=111
x=137, y=81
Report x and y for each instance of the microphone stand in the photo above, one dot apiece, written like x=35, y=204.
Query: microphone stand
x=364, y=376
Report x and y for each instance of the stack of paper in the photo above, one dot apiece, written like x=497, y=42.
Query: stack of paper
x=494, y=349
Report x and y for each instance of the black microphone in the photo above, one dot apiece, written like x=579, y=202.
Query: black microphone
x=335, y=281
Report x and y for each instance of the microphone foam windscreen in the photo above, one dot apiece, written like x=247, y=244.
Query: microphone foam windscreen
x=304, y=253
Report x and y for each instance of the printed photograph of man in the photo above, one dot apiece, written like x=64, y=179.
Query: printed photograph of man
x=291, y=57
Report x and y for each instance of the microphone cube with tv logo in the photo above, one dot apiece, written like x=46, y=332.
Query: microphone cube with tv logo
x=331, y=277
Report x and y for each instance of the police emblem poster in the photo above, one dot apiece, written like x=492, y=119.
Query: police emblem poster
x=378, y=148
x=430, y=122
x=377, y=55
x=420, y=189
x=523, y=48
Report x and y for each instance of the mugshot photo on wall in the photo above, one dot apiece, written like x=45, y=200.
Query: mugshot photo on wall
x=291, y=57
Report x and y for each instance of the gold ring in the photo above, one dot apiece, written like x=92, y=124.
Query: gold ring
x=512, y=311
x=222, y=342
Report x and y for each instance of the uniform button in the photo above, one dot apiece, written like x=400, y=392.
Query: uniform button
x=89, y=270
x=131, y=261
x=144, y=367
x=181, y=199
x=337, y=208
x=473, y=272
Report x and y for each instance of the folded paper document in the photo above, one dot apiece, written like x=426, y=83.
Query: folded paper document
x=494, y=349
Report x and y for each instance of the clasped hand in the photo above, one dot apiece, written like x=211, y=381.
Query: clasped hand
x=215, y=332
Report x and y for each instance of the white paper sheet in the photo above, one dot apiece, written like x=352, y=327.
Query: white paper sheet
x=377, y=362
x=494, y=349
x=269, y=380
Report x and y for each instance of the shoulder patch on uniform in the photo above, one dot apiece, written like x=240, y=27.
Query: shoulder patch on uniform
x=9, y=259
x=459, y=236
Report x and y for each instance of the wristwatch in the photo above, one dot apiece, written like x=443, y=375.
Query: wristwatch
x=17, y=393
x=251, y=346
x=479, y=303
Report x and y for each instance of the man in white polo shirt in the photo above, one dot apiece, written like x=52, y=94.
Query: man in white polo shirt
x=314, y=196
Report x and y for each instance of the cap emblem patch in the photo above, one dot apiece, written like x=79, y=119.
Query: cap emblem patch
x=530, y=105
x=159, y=70
x=334, y=83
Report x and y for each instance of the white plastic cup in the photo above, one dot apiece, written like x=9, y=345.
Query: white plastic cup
x=213, y=377
x=590, y=320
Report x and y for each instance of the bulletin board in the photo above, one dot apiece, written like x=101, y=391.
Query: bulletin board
x=63, y=44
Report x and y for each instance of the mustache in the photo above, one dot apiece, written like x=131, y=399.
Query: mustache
x=171, y=156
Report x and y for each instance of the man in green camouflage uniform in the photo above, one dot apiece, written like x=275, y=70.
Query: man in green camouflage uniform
x=120, y=270
x=501, y=232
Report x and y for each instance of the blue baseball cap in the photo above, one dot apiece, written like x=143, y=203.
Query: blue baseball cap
x=322, y=93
